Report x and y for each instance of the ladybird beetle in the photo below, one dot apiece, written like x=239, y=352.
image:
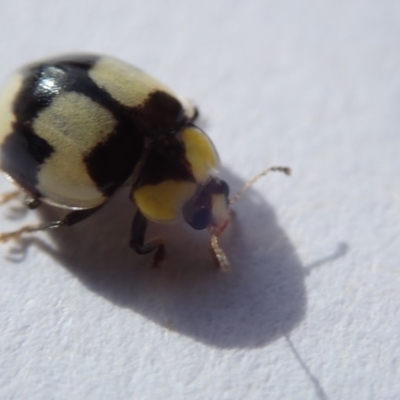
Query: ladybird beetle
x=76, y=128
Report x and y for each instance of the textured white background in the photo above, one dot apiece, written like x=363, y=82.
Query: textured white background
x=311, y=310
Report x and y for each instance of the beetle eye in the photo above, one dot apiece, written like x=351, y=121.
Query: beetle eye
x=202, y=209
x=197, y=212
x=200, y=219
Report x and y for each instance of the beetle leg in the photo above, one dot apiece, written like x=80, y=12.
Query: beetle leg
x=70, y=219
x=6, y=197
x=138, y=244
x=32, y=202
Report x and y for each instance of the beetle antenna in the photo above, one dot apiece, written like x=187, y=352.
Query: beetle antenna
x=219, y=254
x=252, y=181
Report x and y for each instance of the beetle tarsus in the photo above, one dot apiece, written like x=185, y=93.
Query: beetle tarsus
x=5, y=237
x=32, y=202
x=70, y=219
x=6, y=197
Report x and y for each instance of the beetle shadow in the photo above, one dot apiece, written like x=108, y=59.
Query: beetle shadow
x=261, y=300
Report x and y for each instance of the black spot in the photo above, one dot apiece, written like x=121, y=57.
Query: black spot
x=111, y=162
x=22, y=151
x=159, y=114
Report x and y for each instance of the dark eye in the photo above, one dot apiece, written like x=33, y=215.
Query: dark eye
x=223, y=188
x=200, y=219
x=198, y=210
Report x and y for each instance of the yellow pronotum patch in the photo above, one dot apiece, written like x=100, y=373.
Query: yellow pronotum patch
x=73, y=124
x=162, y=202
x=200, y=153
x=125, y=83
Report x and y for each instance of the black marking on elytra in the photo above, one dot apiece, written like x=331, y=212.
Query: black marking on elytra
x=21, y=156
x=111, y=162
x=22, y=151
x=161, y=113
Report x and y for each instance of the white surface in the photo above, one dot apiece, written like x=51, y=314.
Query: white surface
x=311, y=310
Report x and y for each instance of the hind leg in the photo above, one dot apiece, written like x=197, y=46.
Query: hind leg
x=70, y=219
x=30, y=200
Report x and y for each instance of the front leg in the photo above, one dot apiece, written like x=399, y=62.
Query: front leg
x=137, y=241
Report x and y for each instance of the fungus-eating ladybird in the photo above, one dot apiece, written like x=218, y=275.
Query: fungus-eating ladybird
x=76, y=128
